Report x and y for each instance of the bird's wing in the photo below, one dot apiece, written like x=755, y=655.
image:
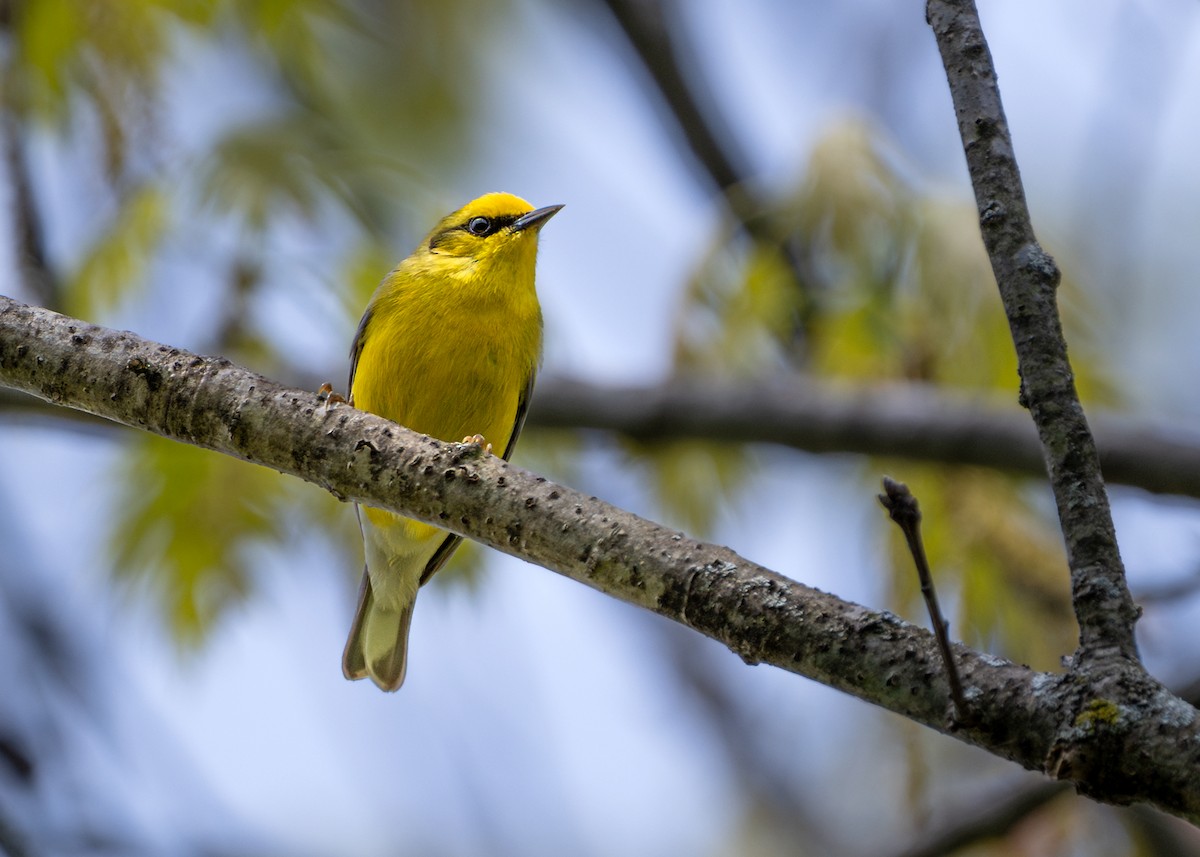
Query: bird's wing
x=356, y=348
x=522, y=410
x=439, y=557
x=451, y=542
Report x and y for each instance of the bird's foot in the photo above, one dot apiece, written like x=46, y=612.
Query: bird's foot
x=479, y=440
x=326, y=394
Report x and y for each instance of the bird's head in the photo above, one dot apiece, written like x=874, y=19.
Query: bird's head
x=497, y=230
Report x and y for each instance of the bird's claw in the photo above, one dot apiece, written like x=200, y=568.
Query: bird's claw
x=325, y=394
x=479, y=440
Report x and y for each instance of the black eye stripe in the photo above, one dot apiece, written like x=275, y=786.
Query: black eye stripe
x=484, y=226
x=494, y=225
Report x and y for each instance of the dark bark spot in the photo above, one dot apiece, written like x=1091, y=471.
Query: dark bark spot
x=993, y=212
x=149, y=373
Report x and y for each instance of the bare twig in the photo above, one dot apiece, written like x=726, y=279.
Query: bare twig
x=906, y=512
x=1028, y=279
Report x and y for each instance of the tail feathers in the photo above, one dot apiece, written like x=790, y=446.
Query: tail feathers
x=378, y=643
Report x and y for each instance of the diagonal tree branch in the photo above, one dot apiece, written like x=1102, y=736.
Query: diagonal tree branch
x=1119, y=740
x=33, y=263
x=647, y=26
x=1028, y=279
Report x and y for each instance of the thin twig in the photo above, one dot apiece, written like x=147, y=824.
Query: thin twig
x=906, y=512
x=645, y=25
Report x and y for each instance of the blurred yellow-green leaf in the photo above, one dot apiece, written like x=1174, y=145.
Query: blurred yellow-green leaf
x=108, y=55
x=186, y=517
x=365, y=269
x=690, y=480
x=116, y=263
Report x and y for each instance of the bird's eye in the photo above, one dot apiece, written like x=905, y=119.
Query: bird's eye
x=479, y=226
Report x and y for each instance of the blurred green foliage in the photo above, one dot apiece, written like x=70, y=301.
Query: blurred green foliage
x=115, y=264
x=187, y=519
x=872, y=277
x=363, y=104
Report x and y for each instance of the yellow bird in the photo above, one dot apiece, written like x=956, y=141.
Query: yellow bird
x=448, y=346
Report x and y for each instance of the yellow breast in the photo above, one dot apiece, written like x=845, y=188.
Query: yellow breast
x=447, y=354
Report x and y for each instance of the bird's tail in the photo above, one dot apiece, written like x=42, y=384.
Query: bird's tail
x=378, y=643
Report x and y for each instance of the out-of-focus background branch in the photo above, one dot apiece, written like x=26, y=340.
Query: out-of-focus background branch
x=907, y=421
x=754, y=195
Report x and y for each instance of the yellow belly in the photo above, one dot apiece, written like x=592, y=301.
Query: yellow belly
x=446, y=384
x=443, y=389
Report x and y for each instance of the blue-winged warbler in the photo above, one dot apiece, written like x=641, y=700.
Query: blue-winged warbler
x=448, y=346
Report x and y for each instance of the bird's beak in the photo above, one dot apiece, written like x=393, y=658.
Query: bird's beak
x=534, y=219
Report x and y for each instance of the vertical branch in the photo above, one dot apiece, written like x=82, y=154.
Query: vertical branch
x=1028, y=279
